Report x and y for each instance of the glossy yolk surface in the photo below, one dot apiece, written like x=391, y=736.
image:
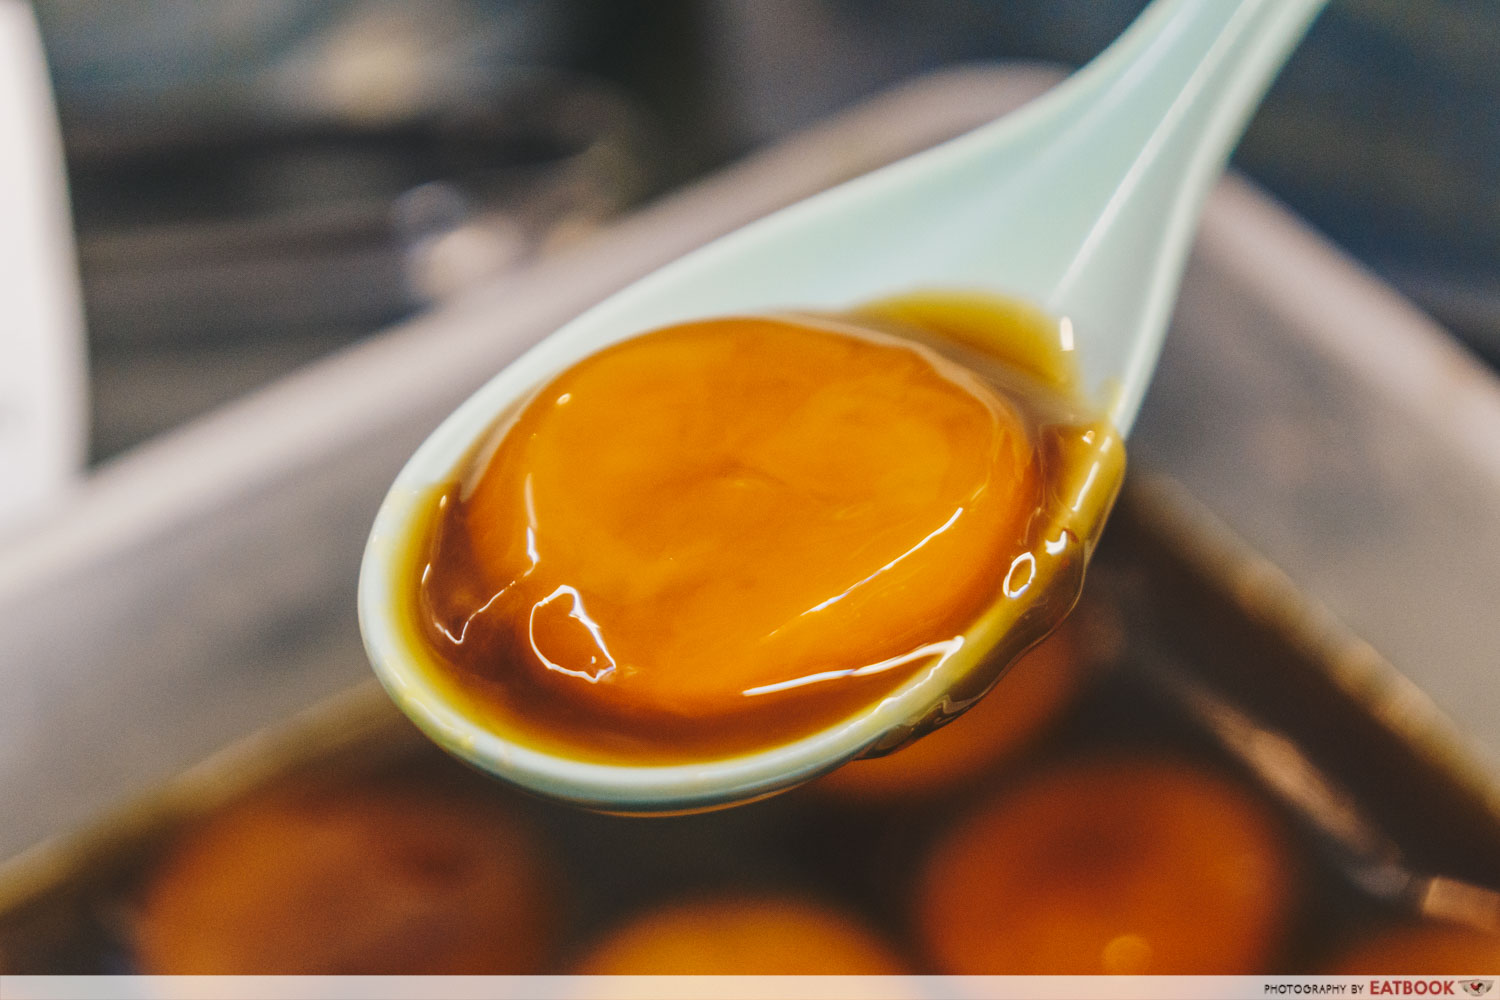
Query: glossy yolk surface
x=740, y=507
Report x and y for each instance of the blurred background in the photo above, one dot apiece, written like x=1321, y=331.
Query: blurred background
x=258, y=188
x=256, y=184
x=253, y=252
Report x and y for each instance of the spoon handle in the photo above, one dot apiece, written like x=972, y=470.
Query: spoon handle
x=1137, y=139
x=1083, y=202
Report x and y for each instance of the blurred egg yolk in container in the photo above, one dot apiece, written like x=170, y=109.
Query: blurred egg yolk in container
x=1421, y=949
x=720, y=537
x=351, y=881
x=1116, y=866
x=742, y=936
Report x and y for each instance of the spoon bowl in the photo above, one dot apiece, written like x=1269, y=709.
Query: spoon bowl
x=1082, y=203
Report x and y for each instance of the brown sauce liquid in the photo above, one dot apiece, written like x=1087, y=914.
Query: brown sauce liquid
x=721, y=537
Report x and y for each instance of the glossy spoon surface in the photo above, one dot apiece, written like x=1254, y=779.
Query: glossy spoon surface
x=1082, y=203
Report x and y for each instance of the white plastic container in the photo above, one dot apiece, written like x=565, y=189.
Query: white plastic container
x=43, y=387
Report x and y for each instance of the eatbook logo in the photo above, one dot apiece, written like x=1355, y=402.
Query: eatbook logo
x=1478, y=987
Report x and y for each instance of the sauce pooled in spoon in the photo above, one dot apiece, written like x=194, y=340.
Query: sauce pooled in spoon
x=722, y=536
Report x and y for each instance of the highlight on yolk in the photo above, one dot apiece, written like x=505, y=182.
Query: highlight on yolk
x=732, y=533
x=1023, y=704
x=743, y=936
x=1110, y=866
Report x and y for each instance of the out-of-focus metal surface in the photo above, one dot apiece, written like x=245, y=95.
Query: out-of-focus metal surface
x=202, y=586
x=1348, y=439
x=216, y=258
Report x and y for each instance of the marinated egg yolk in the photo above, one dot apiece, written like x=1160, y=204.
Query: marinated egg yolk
x=734, y=935
x=373, y=878
x=710, y=518
x=1425, y=949
x=1111, y=864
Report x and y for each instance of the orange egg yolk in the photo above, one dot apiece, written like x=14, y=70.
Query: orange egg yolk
x=735, y=532
x=742, y=505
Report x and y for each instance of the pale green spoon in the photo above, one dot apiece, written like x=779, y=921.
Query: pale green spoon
x=1083, y=203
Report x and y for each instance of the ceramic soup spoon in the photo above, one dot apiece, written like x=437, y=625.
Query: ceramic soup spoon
x=1083, y=203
